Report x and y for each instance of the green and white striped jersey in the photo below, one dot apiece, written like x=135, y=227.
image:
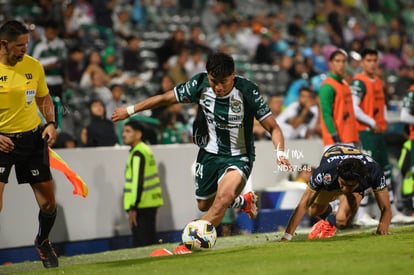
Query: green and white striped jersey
x=229, y=119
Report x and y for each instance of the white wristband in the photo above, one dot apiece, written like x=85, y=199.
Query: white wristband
x=280, y=153
x=287, y=236
x=130, y=110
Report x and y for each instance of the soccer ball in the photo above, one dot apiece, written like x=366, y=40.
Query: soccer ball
x=199, y=235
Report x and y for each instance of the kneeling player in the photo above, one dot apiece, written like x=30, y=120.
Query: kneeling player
x=344, y=173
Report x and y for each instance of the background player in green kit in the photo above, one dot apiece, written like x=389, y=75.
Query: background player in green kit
x=223, y=129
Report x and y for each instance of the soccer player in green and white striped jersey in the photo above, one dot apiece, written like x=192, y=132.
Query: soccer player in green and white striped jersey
x=223, y=129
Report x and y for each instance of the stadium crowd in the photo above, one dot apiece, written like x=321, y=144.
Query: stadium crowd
x=116, y=52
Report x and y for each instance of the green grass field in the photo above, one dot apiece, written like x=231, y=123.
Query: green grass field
x=350, y=252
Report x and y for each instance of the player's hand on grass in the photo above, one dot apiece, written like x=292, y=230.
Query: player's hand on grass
x=286, y=237
x=382, y=232
x=282, y=240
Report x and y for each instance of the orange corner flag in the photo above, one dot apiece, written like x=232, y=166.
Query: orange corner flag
x=56, y=162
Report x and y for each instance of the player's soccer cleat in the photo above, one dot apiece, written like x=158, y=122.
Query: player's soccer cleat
x=47, y=254
x=181, y=249
x=366, y=220
x=401, y=218
x=161, y=252
x=328, y=230
x=316, y=230
x=251, y=204
x=322, y=229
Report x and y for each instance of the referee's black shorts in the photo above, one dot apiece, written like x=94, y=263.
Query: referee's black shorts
x=29, y=157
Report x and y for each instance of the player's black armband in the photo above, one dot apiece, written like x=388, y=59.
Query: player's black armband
x=336, y=138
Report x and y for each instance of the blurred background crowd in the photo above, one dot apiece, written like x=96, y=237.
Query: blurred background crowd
x=101, y=54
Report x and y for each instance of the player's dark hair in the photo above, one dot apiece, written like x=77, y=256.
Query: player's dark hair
x=220, y=65
x=306, y=89
x=337, y=52
x=96, y=100
x=12, y=29
x=115, y=85
x=136, y=125
x=368, y=51
x=352, y=169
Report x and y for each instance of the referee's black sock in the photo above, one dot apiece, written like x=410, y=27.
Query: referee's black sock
x=46, y=222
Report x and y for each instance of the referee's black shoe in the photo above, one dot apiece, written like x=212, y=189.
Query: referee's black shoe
x=47, y=254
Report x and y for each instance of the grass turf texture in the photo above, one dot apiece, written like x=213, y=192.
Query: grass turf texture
x=350, y=252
